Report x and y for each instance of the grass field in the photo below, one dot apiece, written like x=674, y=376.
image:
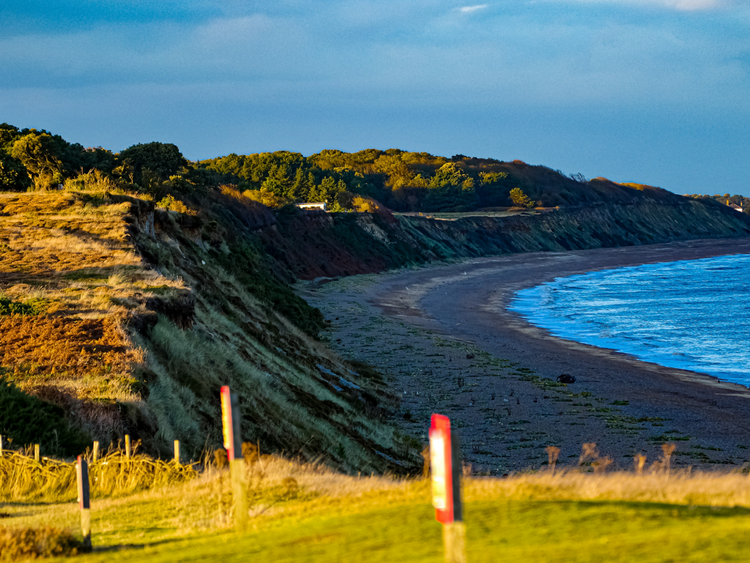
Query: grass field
x=307, y=513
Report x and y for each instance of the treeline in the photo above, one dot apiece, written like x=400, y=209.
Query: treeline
x=401, y=180
x=726, y=199
x=33, y=159
x=362, y=181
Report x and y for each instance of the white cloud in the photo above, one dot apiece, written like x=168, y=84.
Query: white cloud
x=681, y=5
x=470, y=9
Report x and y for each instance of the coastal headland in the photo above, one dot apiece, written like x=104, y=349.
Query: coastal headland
x=445, y=337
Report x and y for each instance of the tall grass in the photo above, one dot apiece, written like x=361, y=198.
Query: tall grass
x=25, y=479
x=686, y=487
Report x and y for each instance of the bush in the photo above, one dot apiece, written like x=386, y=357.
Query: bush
x=30, y=307
x=172, y=204
x=94, y=180
x=520, y=199
x=30, y=543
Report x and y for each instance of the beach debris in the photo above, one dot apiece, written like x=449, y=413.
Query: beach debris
x=640, y=461
x=601, y=464
x=469, y=356
x=566, y=378
x=552, y=452
x=668, y=450
x=589, y=452
x=492, y=396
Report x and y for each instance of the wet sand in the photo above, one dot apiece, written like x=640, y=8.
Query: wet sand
x=448, y=344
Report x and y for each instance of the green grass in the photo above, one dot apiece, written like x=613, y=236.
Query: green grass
x=30, y=307
x=396, y=523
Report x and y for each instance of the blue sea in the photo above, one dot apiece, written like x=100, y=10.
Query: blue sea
x=692, y=314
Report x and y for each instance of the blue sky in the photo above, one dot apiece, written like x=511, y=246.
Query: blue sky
x=652, y=91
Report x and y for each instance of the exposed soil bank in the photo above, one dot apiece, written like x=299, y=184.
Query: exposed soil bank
x=623, y=404
x=312, y=245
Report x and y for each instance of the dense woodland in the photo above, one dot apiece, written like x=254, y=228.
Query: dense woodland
x=403, y=181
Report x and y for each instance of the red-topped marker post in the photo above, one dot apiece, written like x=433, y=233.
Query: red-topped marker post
x=230, y=416
x=445, y=461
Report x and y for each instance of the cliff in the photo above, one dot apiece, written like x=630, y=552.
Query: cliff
x=124, y=318
x=117, y=316
x=311, y=245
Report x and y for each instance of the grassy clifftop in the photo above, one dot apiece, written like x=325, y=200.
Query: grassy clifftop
x=129, y=318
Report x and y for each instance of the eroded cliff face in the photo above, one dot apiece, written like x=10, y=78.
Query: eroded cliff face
x=330, y=245
x=126, y=318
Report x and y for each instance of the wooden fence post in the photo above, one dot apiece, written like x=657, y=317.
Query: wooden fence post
x=230, y=410
x=127, y=446
x=95, y=456
x=84, y=500
x=177, y=452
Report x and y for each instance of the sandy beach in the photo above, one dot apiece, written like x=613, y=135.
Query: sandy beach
x=447, y=344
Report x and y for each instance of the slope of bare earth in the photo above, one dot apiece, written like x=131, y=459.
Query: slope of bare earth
x=448, y=345
x=131, y=318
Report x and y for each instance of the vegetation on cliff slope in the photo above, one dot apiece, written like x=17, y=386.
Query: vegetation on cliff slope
x=147, y=313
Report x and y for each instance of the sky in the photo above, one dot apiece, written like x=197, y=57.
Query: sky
x=648, y=91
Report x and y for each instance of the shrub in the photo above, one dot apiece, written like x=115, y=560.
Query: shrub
x=94, y=180
x=30, y=543
x=172, y=204
x=520, y=199
x=30, y=307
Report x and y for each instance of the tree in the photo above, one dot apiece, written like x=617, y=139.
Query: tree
x=40, y=155
x=520, y=199
x=450, y=189
x=13, y=175
x=162, y=160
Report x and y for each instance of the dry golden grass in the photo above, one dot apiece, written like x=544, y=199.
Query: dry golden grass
x=60, y=359
x=27, y=480
x=718, y=488
x=72, y=257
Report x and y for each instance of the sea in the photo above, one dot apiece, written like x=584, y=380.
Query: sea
x=691, y=314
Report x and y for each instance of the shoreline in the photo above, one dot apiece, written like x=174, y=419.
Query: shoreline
x=420, y=300
x=634, y=406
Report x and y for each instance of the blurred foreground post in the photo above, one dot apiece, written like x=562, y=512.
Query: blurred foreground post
x=445, y=457
x=230, y=416
x=127, y=446
x=36, y=452
x=177, y=452
x=84, y=501
x=96, y=451
x=1, y=445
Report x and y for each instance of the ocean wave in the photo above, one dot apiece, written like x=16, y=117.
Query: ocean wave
x=691, y=314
